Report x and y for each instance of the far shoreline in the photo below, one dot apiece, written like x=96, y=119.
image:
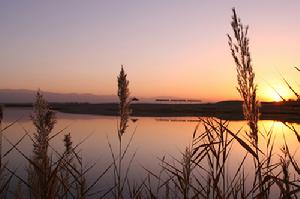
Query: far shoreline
x=226, y=110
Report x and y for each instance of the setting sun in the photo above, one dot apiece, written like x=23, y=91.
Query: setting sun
x=276, y=93
x=275, y=97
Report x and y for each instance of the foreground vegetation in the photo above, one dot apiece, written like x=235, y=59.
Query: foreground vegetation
x=202, y=172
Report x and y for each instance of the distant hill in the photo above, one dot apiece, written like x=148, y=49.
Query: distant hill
x=27, y=96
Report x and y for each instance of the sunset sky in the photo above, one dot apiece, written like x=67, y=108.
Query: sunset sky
x=168, y=48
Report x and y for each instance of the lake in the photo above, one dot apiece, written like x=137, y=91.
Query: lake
x=153, y=139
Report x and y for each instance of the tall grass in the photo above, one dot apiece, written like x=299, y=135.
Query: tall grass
x=2, y=175
x=246, y=87
x=5, y=178
x=41, y=174
x=245, y=75
x=124, y=111
x=265, y=174
x=1, y=117
x=48, y=176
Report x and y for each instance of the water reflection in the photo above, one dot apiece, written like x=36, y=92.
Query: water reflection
x=154, y=138
x=177, y=120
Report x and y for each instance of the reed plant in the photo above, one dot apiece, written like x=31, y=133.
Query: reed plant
x=267, y=171
x=180, y=175
x=67, y=166
x=3, y=183
x=245, y=75
x=5, y=177
x=247, y=88
x=41, y=173
x=123, y=94
x=218, y=140
x=48, y=177
x=1, y=118
x=120, y=176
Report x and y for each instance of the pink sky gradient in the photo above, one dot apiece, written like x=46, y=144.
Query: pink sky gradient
x=174, y=48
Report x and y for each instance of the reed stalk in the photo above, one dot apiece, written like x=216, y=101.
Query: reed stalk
x=246, y=87
x=1, y=118
x=2, y=175
x=40, y=169
x=124, y=111
x=65, y=170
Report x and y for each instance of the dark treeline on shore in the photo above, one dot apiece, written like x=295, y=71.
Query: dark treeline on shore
x=229, y=110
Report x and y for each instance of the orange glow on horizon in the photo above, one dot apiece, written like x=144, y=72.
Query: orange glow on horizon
x=269, y=94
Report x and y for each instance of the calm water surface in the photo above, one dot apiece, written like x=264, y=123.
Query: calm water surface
x=153, y=139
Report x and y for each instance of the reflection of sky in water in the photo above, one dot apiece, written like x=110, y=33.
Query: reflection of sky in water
x=154, y=138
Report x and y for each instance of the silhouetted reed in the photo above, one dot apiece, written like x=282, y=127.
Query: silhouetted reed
x=181, y=174
x=5, y=177
x=65, y=171
x=124, y=111
x=291, y=88
x=246, y=86
x=41, y=174
x=245, y=74
x=1, y=117
x=266, y=174
x=3, y=180
x=49, y=178
x=124, y=102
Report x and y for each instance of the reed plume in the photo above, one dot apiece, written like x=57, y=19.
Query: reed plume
x=182, y=173
x=40, y=177
x=124, y=111
x=44, y=120
x=124, y=101
x=65, y=170
x=247, y=89
x=245, y=74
